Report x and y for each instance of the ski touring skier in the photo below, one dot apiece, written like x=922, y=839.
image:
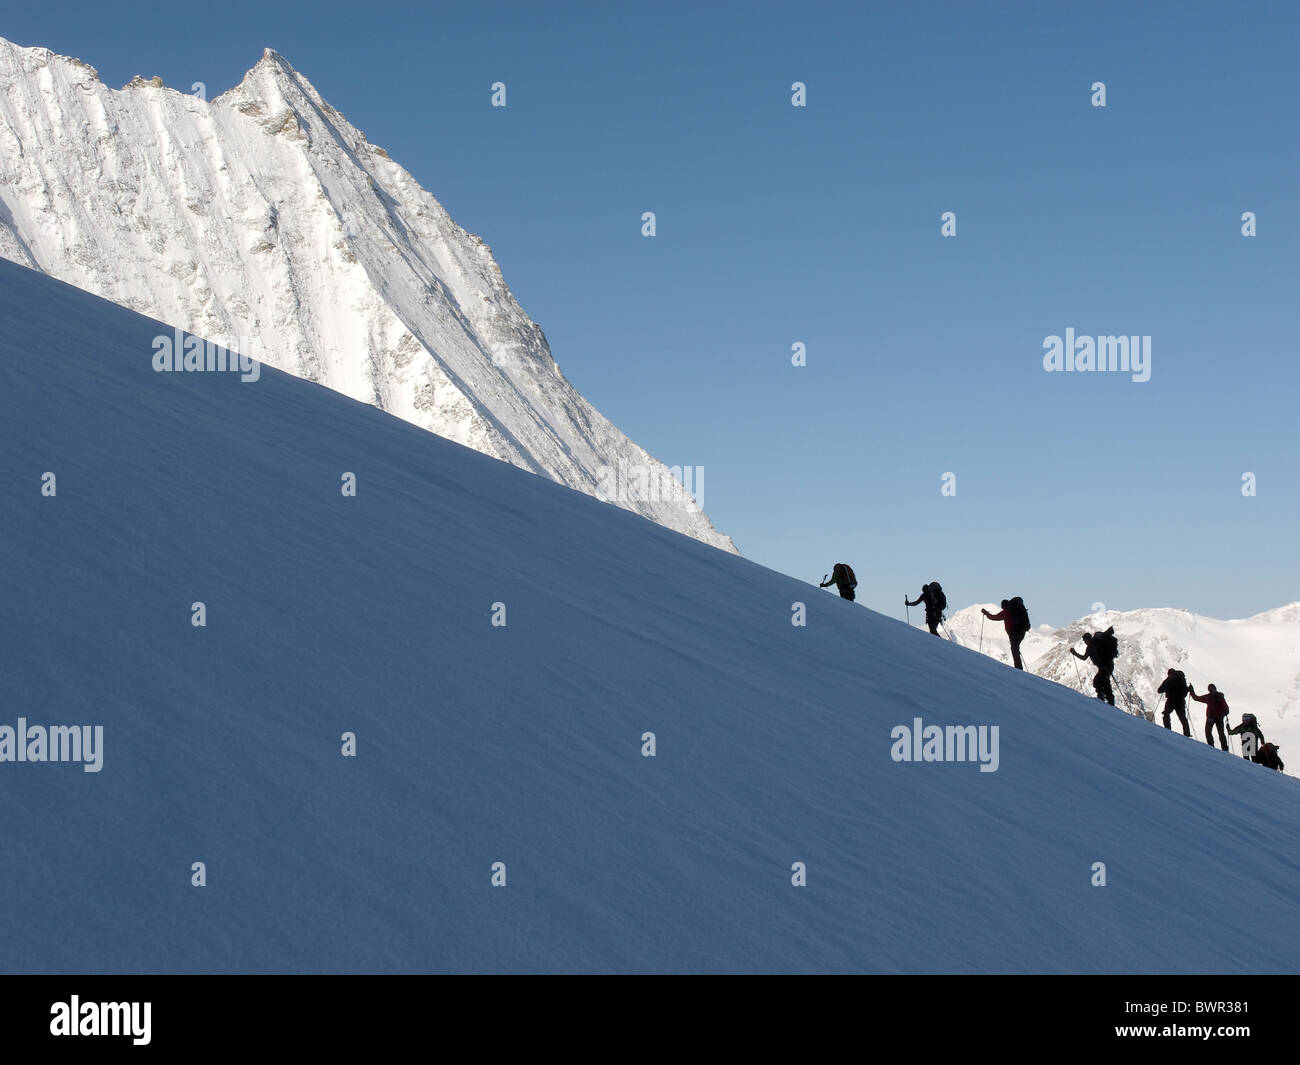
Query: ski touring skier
x=1174, y=689
x=1216, y=712
x=1015, y=619
x=843, y=579
x=1102, y=650
x=1252, y=739
x=935, y=604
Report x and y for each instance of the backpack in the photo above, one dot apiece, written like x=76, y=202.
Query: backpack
x=938, y=602
x=844, y=572
x=1019, y=613
x=1176, y=685
x=1105, y=647
x=1267, y=756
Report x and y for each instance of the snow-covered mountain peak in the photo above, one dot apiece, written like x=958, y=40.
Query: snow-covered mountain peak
x=1282, y=615
x=263, y=221
x=49, y=64
x=274, y=73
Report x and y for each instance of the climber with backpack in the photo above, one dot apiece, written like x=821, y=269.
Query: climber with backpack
x=1174, y=689
x=935, y=604
x=1102, y=650
x=1216, y=712
x=1252, y=739
x=1269, y=758
x=843, y=579
x=1015, y=619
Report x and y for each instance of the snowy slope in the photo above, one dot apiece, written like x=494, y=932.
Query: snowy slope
x=265, y=222
x=522, y=744
x=1254, y=661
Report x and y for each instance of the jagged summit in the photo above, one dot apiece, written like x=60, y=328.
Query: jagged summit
x=274, y=64
x=140, y=82
x=262, y=220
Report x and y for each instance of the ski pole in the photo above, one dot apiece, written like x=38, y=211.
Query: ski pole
x=908, y=607
x=1128, y=703
x=982, y=620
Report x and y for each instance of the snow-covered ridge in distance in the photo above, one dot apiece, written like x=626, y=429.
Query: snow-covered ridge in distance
x=264, y=218
x=1254, y=661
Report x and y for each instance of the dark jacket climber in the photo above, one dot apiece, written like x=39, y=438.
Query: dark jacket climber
x=1269, y=757
x=1102, y=649
x=935, y=603
x=843, y=579
x=1015, y=619
x=1174, y=689
x=1216, y=710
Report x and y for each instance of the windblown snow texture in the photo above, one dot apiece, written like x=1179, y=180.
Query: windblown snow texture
x=522, y=744
x=265, y=222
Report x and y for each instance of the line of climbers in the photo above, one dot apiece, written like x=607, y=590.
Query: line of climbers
x=1102, y=650
x=1254, y=748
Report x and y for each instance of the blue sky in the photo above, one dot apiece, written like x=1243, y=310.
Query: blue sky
x=821, y=225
